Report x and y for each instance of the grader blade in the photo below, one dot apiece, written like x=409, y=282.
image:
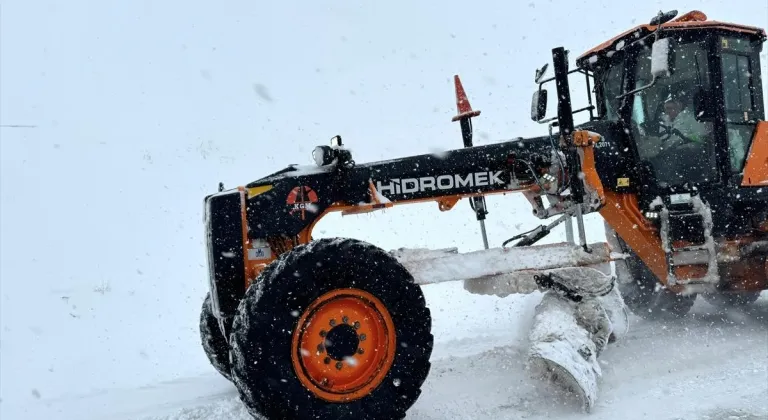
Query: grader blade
x=580, y=312
x=495, y=264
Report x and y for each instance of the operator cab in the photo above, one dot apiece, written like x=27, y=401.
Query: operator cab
x=692, y=121
x=677, y=102
x=681, y=98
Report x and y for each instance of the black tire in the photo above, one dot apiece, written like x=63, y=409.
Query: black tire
x=642, y=297
x=214, y=344
x=638, y=287
x=269, y=314
x=731, y=299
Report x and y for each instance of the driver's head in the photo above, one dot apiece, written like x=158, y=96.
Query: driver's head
x=672, y=107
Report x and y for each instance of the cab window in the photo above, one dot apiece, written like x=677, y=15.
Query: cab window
x=739, y=88
x=613, y=81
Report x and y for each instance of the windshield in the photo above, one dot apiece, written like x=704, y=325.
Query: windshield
x=671, y=142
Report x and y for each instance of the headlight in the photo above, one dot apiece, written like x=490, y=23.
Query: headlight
x=323, y=155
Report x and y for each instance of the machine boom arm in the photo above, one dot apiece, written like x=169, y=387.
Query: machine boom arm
x=524, y=164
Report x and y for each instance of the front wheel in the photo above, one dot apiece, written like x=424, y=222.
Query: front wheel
x=641, y=289
x=336, y=329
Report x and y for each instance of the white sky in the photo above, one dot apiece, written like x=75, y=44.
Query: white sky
x=142, y=107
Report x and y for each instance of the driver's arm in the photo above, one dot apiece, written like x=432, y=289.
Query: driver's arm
x=693, y=130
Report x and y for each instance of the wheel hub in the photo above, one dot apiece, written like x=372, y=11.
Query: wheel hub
x=343, y=345
x=341, y=342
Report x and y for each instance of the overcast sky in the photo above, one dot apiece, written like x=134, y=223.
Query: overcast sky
x=140, y=108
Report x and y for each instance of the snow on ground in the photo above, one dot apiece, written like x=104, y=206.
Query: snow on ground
x=710, y=366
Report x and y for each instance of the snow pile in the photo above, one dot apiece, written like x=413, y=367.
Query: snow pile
x=572, y=327
x=562, y=350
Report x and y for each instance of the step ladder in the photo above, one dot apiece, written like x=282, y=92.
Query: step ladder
x=702, y=253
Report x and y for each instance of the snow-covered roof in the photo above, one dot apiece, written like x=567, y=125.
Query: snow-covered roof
x=691, y=20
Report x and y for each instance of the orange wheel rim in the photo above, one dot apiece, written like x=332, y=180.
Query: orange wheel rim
x=343, y=345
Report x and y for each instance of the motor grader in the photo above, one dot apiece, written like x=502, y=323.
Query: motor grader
x=673, y=156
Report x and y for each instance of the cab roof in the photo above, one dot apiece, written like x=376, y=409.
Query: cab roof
x=692, y=20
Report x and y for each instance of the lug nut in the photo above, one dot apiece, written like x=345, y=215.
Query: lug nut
x=345, y=319
x=323, y=333
x=360, y=351
x=362, y=337
x=339, y=365
x=356, y=325
x=333, y=322
x=327, y=360
x=320, y=348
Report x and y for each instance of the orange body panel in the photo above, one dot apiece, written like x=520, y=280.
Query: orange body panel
x=585, y=141
x=756, y=165
x=622, y=213
x=691, y=16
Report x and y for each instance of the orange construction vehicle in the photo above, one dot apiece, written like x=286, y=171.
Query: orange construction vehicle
x=673, y=156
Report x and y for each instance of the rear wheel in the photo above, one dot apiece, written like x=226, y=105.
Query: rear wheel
x=337, y=329
x=641, y=289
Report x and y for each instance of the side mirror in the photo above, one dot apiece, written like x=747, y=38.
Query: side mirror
x=662, y=58
x=662, y=64
x=539, y=105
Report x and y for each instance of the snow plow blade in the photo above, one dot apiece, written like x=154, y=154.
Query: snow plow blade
x=580, y=312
